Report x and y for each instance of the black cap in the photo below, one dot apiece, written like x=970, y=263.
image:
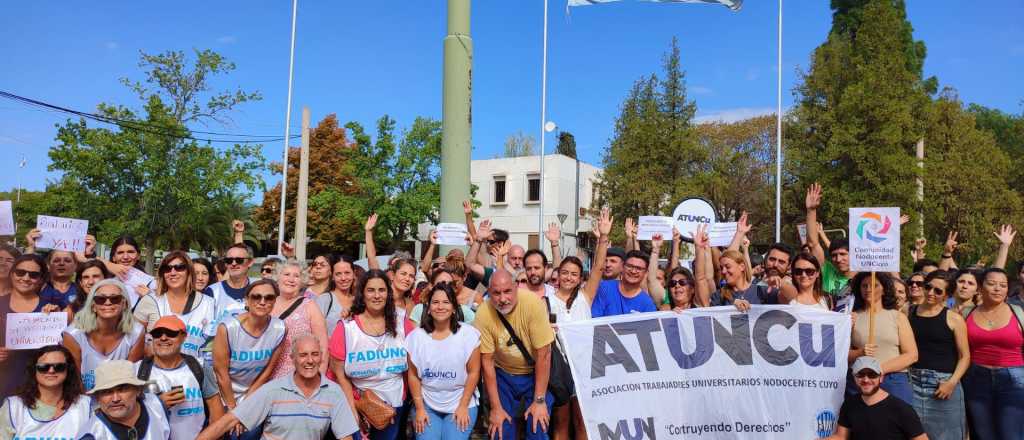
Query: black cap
x=617, y=252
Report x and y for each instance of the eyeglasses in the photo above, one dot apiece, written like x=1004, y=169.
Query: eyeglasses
x=866, y=374
x=181, y=267
x=161, y=332
x=263, y=298
x=267, y=270
x=104, y=300
x=35, y=275
x=234, y=260
x=680, y=283
x=916, y=283
x=808, y=272
x=56, y=368
x=633, y=268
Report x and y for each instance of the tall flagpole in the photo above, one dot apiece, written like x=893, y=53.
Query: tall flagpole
x=543, y=121
x=287, y=134
x=778, y=140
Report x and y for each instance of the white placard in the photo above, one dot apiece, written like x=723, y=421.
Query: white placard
x=649, y=225
x=721, y=234
x=875, y=239
x=692, y=213
x=802, y=230
x=138, y=278
x=59, y=233
x=34, y=330
x=6, y=218
x=779, y=374
x=452, y=234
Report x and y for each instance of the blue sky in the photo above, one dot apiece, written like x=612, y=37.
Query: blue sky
x=362, y=60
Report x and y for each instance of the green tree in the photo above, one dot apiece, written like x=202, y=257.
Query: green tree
x=520, y=145
x=566, y=144
x=147, y=178
x=1008, y=131
x=859, y=115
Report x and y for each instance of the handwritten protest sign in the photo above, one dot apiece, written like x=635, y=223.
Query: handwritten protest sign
x=66, y=234
x=875, y=239
x=649, y=225
x=452, y=234
x=721, y=234
x=138, y=278
x=802, y=230
x=34, y=330
x=6, y=218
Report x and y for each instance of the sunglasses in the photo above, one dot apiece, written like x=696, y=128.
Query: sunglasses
x=104, y=300
x=936, y=290
x=181, y=267
x=161, y=332
x=681, y=283
x=263, y=298
x=267, y=270
x=35, y=275
x=235, y=260
x=56, y=368
x=916, y=283
x=867, y=374
x=810, y=272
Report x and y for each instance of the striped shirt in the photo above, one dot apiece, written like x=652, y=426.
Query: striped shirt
x=286, y=413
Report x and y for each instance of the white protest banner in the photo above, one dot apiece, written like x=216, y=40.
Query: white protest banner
x=66, y=234
x=875, y=239
x=138, y=278
x=691, y=213
x=34, y=330
x=6, y=218
x=721, y=234
x=453, y=234
x=802, y=230
x=776, y=372
x=649, y=225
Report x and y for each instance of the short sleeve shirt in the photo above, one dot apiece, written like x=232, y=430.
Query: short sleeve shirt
x=889, y=419
x=285, y=412
x=609, y=301
x=529, y=319
x=832, y=280
x=754, y=294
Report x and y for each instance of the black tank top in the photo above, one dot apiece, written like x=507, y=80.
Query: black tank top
x=936, y=345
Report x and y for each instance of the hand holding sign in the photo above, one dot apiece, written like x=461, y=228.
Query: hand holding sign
x=874, y=239
x=452, y=234
x=649, y=225
x=34, y=330
x=59, y=233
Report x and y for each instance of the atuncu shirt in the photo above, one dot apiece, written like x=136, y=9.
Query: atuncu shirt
x=441, y=365
x=610, y=302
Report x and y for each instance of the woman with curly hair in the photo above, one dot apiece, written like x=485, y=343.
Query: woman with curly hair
x=51, y=403
x=894, y=344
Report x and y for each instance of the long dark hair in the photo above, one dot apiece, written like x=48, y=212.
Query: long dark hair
x=209, y=269
x=335, y=259
x=576, y=290
x=397, y=264
x=130, y=241
x=45, y=272
x=72, y=388
x=79, y=301
x=804, y=256
x=889, y=299
x=680, y=270
x=359, y=303
x=427, y=321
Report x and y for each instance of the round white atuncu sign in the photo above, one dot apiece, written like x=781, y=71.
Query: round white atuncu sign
x=691, y=213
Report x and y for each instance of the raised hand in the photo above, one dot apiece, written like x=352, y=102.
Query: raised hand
x=920, y=243
x=237, y=226
x=813, y=199
x=656, y=241
x=371, y=222
x=630, y=228
x=287, y=250
x=700, y=237
x=433, y=237
x=904, y=219
x=467, y=207
x=743, y=226
x=676, y=236
x=483, y=232
x=554, y=233
x=604, y=223
x=503, y=249
x=950, y=246
x=1005, y=235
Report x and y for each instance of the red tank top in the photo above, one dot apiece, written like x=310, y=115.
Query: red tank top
x=1001, y=347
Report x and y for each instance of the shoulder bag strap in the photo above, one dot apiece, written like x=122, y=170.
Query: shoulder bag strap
x=291, y=308
x=515, y=339
x=189, y=303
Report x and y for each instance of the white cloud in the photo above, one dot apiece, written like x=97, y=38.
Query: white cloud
x=227, y=39
x=701, y=90
x=733, y=114
x=111, y=45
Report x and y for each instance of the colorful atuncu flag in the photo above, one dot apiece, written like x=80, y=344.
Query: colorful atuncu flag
x=731, y=4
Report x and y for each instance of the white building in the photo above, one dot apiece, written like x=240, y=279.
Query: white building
x=509, y=191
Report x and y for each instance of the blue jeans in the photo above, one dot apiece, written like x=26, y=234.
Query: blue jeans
x=515, y=391
x=255, y=433
x=942, y=419
x=389, y=432
x=897, y=384
x=995, y=402
x=442, y=426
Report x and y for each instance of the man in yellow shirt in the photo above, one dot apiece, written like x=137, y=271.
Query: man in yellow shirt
x=516, y=368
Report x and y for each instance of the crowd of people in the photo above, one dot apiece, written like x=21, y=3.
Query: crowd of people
x=434, y=348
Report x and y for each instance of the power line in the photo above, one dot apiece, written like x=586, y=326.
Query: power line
x=146, y=127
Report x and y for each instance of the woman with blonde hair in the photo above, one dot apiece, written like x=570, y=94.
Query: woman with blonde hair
x=175, y=295
x=104, y=330
x=300, y=314
x=738, y=290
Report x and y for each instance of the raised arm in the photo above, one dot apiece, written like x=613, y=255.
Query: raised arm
x=702, y=246
x=673, y=256
x=812, y=202
x=428, y=257
x=238, y=230
x=1005, y=236
x=919, y=245
x=604, y=227
x=554, y=236
x=467, y=209
x=947, y=262
x=742, y=229
x=371, y=248
x=630, y=228
x=30, y=240
x=472, y=262
x=655, y=288
x=484, y=234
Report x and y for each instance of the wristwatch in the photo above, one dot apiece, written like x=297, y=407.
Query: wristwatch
x=539, y=399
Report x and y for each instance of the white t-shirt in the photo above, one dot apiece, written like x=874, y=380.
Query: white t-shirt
x=186, y=418
x=442, y=365
x=580, y=308
x=92, y=358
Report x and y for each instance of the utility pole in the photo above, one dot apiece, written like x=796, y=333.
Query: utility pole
x=457, y=116
x=303, y=191
x=920, y=187
x=287, y=135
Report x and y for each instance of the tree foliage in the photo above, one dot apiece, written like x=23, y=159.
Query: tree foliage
x=566, y=144
x=520, y=145
x=145, y=178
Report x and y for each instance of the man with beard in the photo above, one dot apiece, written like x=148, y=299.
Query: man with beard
x=515, y=341
x=186, y=391
x=302, y=405
x=874, y=414
x=124, y=411
x=776, y=266
x=536, y=264
x=612, y=269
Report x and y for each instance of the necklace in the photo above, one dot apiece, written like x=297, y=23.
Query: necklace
x=988, y=318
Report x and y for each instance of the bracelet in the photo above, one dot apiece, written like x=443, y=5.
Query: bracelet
x=945, y=256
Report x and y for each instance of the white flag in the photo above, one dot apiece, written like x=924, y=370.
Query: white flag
x=731, y=4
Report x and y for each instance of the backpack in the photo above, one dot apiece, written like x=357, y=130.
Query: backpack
x=146, y=368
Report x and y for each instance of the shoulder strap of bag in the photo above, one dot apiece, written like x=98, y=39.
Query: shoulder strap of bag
x=292, y=308
x=145, y=368
x=189, y=303
x=193, y=365
x=515, y=339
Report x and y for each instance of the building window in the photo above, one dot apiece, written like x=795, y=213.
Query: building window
x=533, y=188
x=499, y=190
